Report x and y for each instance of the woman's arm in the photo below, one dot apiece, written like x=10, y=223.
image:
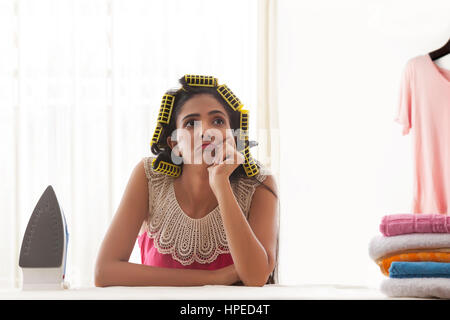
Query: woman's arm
x=252, y=244
x=121, y=273
x=112, y=267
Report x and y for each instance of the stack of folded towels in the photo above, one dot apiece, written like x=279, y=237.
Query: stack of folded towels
x=414, y=252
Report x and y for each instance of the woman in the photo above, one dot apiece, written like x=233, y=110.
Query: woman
x=203, y=222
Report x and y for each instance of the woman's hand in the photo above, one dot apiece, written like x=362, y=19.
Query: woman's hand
x=227, y=275
x=226, y=160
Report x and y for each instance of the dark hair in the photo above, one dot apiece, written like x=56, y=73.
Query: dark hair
x=164, y=152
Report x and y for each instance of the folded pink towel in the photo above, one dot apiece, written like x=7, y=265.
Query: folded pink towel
x=404, y=223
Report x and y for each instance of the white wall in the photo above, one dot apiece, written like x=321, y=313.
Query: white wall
x=344, y=161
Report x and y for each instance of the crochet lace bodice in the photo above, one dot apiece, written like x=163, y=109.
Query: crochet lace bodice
x=185, y=238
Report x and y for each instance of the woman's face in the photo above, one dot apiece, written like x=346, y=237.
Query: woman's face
x=202, y=119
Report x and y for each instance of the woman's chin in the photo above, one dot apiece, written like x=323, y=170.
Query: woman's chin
x=201, y=159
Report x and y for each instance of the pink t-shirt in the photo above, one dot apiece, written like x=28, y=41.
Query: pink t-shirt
x=424, y=108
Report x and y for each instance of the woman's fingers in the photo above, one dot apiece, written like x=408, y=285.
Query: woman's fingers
x=227, y=153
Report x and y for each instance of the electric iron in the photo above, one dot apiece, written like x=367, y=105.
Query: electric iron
x=44, y=246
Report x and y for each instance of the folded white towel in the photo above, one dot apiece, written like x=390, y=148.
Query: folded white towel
x=416, y=287
x=381, y=246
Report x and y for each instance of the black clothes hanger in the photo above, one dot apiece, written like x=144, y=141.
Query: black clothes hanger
x=440, y=52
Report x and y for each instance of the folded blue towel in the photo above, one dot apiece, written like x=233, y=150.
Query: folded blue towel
x=401, y=269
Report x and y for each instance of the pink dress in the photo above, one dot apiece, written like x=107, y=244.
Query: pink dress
x=424, y=108
x=172, y=239
x=151, y=257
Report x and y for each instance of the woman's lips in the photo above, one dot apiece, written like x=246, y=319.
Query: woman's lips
x=204, y=145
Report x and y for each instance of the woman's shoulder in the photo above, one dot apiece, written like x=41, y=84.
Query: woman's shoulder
x=263, y=174
x=148, y=167
x=245, y=187
x=266, y=174
x=156, y=180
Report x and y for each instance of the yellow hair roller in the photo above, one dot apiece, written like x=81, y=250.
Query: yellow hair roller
x=156, y=135
x=200, y=81
x=230, y=97
x=166, y=168
x=165, y=110
x=243, y=123
x=249, y=165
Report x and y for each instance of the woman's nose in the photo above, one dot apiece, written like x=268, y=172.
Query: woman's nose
x=206, y=133
x=207, y=137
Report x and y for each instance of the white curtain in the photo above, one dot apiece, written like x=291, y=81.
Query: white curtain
x=268, y=115
x=80, y=88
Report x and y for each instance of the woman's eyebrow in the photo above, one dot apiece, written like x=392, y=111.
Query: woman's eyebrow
x=198, y=114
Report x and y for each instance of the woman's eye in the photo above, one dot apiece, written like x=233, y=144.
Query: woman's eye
x=222, y=122
x=187, y=122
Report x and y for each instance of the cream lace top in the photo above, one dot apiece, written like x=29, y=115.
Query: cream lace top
x=187, y=239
